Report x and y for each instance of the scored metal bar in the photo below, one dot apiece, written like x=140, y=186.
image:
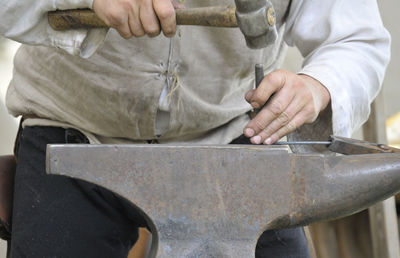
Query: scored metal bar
x=304, y=143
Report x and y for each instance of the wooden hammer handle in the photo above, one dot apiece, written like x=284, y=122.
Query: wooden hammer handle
x=221, y=16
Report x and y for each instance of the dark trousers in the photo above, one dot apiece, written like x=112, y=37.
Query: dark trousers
x=56, y=216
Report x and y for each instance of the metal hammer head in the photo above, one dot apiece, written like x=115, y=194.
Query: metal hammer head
x=256, y=20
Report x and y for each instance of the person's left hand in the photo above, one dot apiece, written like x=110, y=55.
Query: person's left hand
x=293, y=100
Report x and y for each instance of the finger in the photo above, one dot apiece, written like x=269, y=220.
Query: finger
x=177, y=5
x=295, y=123
x=249, y=95
x=270, y=112
x=283, y=119
x=118, y=19
x=135, y=24
x=271, y=83
x=149, y=19
x=165, y=12
x=123, y=28
x=114, y=16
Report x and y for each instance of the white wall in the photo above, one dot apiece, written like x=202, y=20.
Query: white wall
x=390, y=16
x=8, y=124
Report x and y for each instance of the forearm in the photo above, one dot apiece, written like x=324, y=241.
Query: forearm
x=347, y=49
x=26, y=22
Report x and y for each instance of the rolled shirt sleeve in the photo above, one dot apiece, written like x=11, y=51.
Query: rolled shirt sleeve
x=347, y=49
x=26, y=22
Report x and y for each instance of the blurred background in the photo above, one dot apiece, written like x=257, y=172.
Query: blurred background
x=391, y=90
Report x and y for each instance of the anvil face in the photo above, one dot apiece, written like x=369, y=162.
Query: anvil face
x=215, y=201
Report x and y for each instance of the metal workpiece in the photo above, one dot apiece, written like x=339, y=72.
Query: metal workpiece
x=215, y=201
x=349, y=146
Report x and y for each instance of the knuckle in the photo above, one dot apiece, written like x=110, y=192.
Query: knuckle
x=152, y=30
x=257, y=98
x=256, y=95
x=310, y=110
x=166, y=13
x=297, y=84
x=153, y=34
x=277, y=77
x=291, y=126
x=127, y=5
x=259, y=124
x=271, y=77
x=276, y=108
x=267, y=131
x=169, y=33
x=249, y=95
x=284, y=118
x=138, y=33
x=115, y=18
x=125, y=35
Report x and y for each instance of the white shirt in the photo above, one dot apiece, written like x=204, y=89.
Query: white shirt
x=344, y=43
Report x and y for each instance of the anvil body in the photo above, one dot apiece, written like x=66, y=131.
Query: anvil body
x=215, y=201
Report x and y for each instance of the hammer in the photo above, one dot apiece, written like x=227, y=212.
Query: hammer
x=255, y=18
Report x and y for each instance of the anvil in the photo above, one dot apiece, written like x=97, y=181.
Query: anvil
x=215, y=201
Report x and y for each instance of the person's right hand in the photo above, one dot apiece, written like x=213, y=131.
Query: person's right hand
x=138, y=17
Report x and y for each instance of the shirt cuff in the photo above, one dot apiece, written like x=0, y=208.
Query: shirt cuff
x=341, y=104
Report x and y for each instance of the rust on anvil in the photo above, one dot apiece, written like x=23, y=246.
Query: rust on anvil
x=298, y=196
